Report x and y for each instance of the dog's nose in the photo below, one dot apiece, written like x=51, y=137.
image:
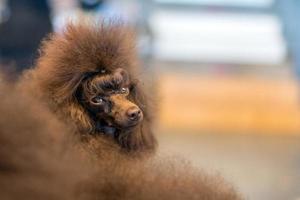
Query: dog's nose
x=134, y=113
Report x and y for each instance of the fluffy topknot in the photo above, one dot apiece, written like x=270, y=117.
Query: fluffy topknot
x=83, y=49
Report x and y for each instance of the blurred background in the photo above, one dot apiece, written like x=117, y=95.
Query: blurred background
x=227, y=74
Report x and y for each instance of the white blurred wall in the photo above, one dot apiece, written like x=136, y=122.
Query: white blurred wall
x=219, y=37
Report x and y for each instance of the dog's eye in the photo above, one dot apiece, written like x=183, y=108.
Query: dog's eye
x=124, y=90
x=98, y=100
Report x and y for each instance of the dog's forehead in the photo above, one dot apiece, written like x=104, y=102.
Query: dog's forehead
x=115, y=79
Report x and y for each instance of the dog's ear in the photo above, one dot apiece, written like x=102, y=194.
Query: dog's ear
x=62, y=89
x=79, y=117
x=142, y=137
x=74, y=108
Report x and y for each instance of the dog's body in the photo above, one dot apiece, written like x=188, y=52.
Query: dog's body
x=39, y=160
x=85, y=82
x=88, y=77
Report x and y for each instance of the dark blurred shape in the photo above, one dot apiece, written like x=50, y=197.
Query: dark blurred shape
x=20, y=35
x=90, y=4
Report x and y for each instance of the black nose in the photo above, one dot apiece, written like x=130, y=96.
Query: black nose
x=134, y=113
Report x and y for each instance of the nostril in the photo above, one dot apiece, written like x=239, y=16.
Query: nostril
x=134, y=113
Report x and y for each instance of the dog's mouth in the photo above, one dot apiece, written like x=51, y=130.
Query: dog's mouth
x=111, y=129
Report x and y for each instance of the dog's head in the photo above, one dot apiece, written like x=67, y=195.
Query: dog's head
x=113, y=104
x=89, y=75
x=108, y=98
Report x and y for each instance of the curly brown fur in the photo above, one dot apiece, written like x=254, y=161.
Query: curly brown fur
x=86, y=61
x=33, y=162
x=39, y=160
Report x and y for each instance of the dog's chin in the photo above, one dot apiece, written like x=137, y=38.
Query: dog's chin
x=127, y=126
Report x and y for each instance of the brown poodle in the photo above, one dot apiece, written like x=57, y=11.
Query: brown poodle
x=88, y=77
x=38, y=161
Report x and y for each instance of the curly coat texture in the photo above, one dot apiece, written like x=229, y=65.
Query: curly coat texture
x=67, y=59
x=39, y=159
x=42, y=158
